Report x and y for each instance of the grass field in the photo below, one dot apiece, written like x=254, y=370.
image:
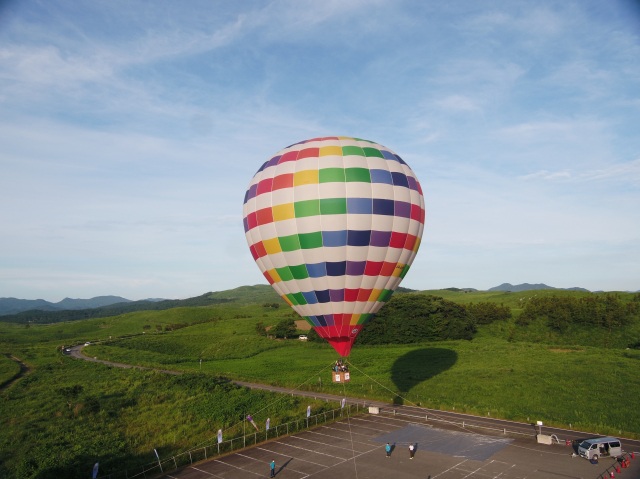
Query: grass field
x=65, y=414
x=8, y=369
x=486, y=376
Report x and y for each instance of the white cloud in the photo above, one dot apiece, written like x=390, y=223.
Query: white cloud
x=130, y=132
x=458, y=103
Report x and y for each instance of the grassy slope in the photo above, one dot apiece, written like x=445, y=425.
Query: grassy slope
x=8, y=369
x=141, y=410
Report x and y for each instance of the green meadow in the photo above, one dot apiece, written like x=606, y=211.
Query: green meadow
x=64, y=414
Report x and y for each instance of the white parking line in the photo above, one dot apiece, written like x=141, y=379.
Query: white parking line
x=450, y=469
x=318, y=442
x=297, y=458
x=206, y=472
x=239, y=468
x=340, y=438
x=310, y=450
x=291, y=458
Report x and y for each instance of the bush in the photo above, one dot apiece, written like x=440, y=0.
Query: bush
x=412, y=318
x=286, y=328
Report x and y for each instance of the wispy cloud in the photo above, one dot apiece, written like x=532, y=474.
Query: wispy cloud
x=130, y=131
x=628, y=172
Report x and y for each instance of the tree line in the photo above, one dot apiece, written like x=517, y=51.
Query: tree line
x=607, y=312
x=413, y=318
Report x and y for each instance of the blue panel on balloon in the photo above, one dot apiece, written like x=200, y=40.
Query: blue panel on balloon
x=334, y=238
x=359, y=206
x=323, y=296
x=383, y=207
x=310, y=296
x=336, y=269
x=317, y=270
x=400, y=179
x=359, y=238
x=381, y=176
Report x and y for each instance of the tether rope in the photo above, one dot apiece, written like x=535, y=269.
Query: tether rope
x=244, y=419
x=353, y=451
x=409, y=401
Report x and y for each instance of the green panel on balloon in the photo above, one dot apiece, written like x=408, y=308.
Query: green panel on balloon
x=310, y=240
x=299, y=298
x=285, y=274
x=405, y=270
x=385, y=295
x=292, y=299
x=289, y=243
x=352, y=150
x=358, y=174
x=307, y=208
x=372, y=152
x=333, y=206
x=299, y=271
x=331, y=175
x=364, y=318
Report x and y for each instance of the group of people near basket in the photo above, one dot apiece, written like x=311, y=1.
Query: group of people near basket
x=340, y=367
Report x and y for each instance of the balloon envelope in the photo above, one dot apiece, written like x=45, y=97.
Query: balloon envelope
x=334, y=224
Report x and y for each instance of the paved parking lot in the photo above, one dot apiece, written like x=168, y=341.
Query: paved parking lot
x=354, y=448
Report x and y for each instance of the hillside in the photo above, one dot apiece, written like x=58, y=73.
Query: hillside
x=529, y=287
x=242, y=295
x=15, y=305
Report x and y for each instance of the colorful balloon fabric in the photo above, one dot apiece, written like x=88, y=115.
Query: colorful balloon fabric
x=334, y=224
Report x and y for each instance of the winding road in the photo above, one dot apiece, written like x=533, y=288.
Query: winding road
x=24, y=369
x=444, y=419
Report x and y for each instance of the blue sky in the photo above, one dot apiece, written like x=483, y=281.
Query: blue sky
x=130, y=131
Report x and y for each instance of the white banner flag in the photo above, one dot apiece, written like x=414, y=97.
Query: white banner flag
x=95, y=470
x=268, y=423
x=344, y=401
x=219, y=436
x=308, y=411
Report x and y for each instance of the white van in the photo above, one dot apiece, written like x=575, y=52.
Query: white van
x=600, y=447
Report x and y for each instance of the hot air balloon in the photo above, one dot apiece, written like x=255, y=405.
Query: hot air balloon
x=334, y=224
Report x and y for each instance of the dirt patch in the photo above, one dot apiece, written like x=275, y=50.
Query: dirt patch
x=302, y=325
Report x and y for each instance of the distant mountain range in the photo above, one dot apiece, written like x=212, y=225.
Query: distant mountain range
x=11, y=306
x=526, y=287
x=14, y=305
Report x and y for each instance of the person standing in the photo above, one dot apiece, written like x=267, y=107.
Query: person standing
x=387, y=448
x=272, y=467
x=412, y=451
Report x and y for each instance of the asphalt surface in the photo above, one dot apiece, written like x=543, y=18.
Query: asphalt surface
x=354, y=448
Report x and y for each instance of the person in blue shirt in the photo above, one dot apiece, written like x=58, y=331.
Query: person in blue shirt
x=273, y=468
x=387, y=448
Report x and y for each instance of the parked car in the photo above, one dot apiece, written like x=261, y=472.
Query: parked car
x=302, y=337
x=600, y=447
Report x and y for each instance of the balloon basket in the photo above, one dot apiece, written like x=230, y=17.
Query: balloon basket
x=341, y=377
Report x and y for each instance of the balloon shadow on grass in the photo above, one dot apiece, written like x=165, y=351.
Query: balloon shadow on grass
x=417, y=366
